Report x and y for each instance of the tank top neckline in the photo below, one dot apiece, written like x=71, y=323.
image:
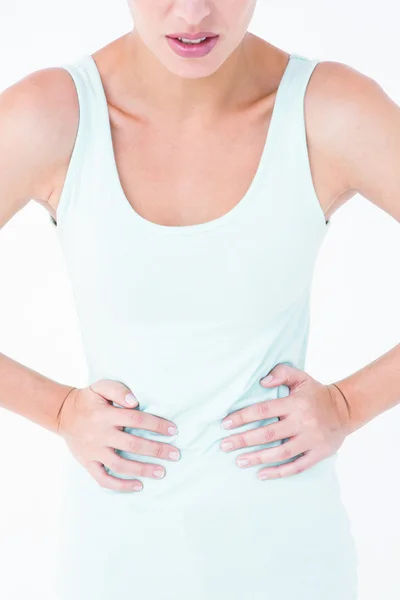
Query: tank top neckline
x=245, y=203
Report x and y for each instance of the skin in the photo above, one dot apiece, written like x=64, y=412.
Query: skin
x=353, y=136
x=190, y=90
x=201, y=102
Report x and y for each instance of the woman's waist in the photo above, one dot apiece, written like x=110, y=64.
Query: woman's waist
x=208, y=478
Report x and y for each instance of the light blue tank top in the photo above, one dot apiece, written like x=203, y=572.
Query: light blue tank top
x=191, y=317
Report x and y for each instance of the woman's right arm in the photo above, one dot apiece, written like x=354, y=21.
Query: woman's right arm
x=32, y=138
x=37, y=131
x=30, y=394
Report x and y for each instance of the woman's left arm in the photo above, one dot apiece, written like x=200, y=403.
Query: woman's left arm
x=370, y=391
x=361, y=132
x=367, y=137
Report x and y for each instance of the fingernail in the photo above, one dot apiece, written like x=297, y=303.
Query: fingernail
x=130, y=399
x=174, y=455
x=172, y=430
x=227, y=424
x=266, y=379
x=159, y=473
x=226, y=446
x=242, y=462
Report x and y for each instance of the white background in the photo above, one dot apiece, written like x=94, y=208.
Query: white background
x=355, y=302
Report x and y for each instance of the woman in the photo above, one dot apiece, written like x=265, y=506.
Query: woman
x=190, y=207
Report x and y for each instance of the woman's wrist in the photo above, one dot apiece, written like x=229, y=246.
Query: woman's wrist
x=343, y=407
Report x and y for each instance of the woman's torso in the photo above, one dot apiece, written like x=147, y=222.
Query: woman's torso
x=191, y=281
x=191, y=316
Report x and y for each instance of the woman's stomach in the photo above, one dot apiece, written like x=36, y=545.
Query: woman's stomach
x=204, y=475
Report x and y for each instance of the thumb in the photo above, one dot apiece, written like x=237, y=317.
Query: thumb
x=115, y=391
x=281, y=374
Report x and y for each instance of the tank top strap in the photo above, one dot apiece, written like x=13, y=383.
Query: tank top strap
x=88, y=152
x=290, y=169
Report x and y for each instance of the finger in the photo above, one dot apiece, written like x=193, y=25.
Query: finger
x=272, y=432
x=139, y=445
x=307, y=460
x=266, y=409
x=114, y=391
x=284, y=373
x=126, y=466
x=140, y=419
x=96, y=469
x=294, y=447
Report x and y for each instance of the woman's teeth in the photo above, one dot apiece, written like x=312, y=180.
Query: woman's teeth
x=186, y=41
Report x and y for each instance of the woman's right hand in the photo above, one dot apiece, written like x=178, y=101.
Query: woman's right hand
x=93, y=428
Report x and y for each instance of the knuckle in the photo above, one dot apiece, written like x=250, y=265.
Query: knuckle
x=259, y=458
x=320, y=437
x=119, y=485
x=96, y=415
x=133, y=445
x=269, y=433
x=240, y=417
x=286, y=452
x=158, y=449
x=136, y=418
x=138, y=468
x=303, y=403
x=242, y=440
x=101, y=479
x=115, y=464
x=296, y=425
x=88, y=439
x=291, y=403
x=161, y=425
x=145, y=469
x=298, y=469
x=312, y=422
x=263, y=409
x=116, y=484
x=128, y=466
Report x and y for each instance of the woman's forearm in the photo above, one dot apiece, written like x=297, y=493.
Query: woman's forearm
x=30, y=394
x=373, y=389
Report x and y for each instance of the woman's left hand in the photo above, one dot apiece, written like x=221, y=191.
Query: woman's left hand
x=314, y=416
